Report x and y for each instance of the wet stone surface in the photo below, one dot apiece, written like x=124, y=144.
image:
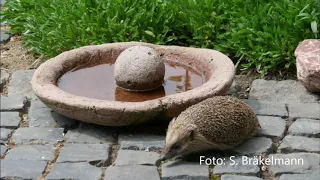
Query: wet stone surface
x=299, y=144
x=12, y=103
x=305, y=127
x=37, y=135
x=23, y=169
x=10, y=119
x=131, y=173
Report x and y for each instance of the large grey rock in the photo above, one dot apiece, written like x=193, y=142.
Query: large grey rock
x=272, y=126
x=237, y=177
x=304, y=110
x=10, y=119
x=81, y=171
x=300, y=176
x=20, y=84
x=254, y=146
x=131, y=173
x=4, y=77
x=37, y=135
x=299, y=143
x=3, y=149
x=141, y=142
x=267, y=108
x=293, y=163
x=32, y=152
x=4, y=36
x=184, y=170
x=129, y=157
x=281, y=91
x=97, y=153
x=5, y=134
x=12, y=103
x=22, y=169
x=237, y=165
x=305, y=127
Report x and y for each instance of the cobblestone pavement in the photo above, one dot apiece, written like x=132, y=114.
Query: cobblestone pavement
x=39, y=143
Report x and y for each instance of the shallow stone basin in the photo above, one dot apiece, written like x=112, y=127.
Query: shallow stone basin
x=217, y=68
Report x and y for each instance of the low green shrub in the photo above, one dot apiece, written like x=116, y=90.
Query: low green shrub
x=260, y=34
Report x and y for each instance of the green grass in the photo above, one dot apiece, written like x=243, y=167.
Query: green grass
x=261, y=34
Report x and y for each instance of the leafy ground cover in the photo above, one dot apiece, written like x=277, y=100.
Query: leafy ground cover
x=258, y=34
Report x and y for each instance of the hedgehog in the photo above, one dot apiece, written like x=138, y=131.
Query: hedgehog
x=217, y=123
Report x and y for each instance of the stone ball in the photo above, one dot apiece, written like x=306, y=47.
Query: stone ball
x=139, y=68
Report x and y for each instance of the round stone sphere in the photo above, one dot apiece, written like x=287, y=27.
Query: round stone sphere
x=139, y=68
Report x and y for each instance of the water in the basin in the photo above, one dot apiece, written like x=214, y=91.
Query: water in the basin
x=98, y=82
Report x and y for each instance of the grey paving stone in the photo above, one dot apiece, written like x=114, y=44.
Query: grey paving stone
x=237, y=177
x=91, y=134
x=272, y=126
x=267, y=108
x=299, y=163
x=45, y=117
x=5, y=133
x=141, y=142
x=3, y=149
x=80, y=170
x=32, y=152
x=22, y=169
x=12, y=103
x=237, y=165
x=37, y=135
x=305, y=127
x=254, y=146
x=299, y=143
x=4, y=36
x=130, y=157
x=131, y=173
x=304, y=110
x=10, y=119
x=84, y=152
x=37, y=104
x=184, y=170
x=4, y=77
x=299, y=176
x=20, y=84
x=281, y=91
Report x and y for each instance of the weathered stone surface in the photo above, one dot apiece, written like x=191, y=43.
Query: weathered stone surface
x=22, y=169
x=305, y=127
x=299, y=143
x=32, y=152
x=281, y=91
x=184, y=170
x=37, y=135
x=4, y=77
x=131, y=173
x=4, y=36
x=88, y=133
x=12, y=103
x=3, y=149
x=129, y=157
x=236, y=165
x=37, y=104
x=304, y=110
x=141, y=142
x=10, y=119
x=84, y=152
x=5, y=134
x=254, y=146
x=293, y=163
x=271, y=126
x=299, y=176
x=20, y=84
x=267, y=108
x=308, y=67
x=83, y=171
x=237, y=177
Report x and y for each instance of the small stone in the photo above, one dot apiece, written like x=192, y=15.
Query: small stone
x=305, y=127
x=237, y=177
x=184, y=170
x=84, y=152
x=293, y=163
x=5, y=134
x=12, y=103
x=20, y=84
x=267, y=108
x=299, y=143
x=10, y=119
x=300, y=176
x=272, y=126
x=281, y=91
x=32, y=152
x=141, y=142
x=3, y=149
x=139, y=68
x=131, y=173
x=236, y=165
x=129, y=157
x=37, y=135
x=304, y=110
x=4, y=36
x=254, y=146
x=22, y=169
x=4, y=77
x=83, y=171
